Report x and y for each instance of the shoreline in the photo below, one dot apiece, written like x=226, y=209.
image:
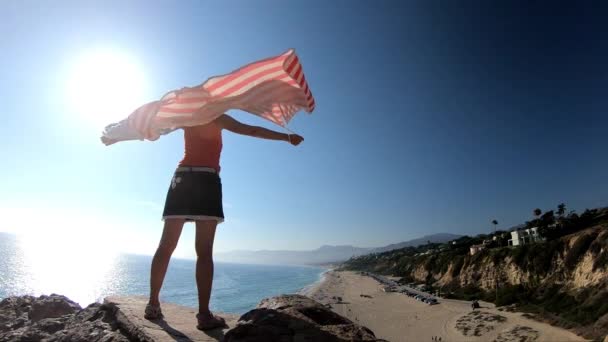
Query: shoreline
x=397, y=317
x=311, y=288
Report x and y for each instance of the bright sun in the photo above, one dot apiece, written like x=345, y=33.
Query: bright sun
x=105, y=87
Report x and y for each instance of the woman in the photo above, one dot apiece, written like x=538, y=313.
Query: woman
x=195, y=194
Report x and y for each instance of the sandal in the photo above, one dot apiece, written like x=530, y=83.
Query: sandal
x=153, y=312
x=214, y=322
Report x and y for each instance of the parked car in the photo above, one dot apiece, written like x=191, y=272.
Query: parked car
x=432, y=301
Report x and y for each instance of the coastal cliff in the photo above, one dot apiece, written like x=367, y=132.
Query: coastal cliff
x=574, y=262
x=563, y=281
x=282, y=318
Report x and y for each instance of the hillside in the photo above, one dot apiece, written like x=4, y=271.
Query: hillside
x=563, y=279
x=322, y=255
x=435, y=238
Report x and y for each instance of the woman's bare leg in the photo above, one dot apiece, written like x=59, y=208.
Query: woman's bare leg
x=160, y=262
x=205, y=234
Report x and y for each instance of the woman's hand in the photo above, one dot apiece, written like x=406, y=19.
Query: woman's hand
x=295, y=139
x=107, y=141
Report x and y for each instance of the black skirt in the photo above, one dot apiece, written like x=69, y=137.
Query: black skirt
x=194, y=195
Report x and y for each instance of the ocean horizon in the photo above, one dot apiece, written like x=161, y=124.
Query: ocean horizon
x=88, y=278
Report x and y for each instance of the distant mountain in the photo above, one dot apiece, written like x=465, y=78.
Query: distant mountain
x=434, y=238
x=322, y=255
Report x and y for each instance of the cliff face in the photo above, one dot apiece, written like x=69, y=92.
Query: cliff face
x=574, y=262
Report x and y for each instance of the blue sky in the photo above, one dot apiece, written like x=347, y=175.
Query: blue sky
x=431, y=117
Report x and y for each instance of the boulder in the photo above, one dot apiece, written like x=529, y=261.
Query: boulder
x=52, y=306
x=57, y=318
x=14, y=312
x=295, y=318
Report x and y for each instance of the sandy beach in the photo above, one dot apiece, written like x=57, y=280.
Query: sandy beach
x=397, y=317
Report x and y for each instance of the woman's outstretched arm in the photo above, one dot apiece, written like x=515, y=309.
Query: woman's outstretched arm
x=227, y=122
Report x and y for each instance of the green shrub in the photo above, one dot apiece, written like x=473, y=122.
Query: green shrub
x=599, y=249
x=540, y=256
x=458, y=263
x=601, y=261
x=519, y=254
x=498, y=255
x=510, y=294
x=429, y=263
x=580, y=247
x=469, y=292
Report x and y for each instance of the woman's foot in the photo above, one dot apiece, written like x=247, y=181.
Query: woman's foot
x=209, y=321
x=153, y=311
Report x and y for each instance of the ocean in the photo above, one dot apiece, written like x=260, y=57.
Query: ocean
x=86, y=278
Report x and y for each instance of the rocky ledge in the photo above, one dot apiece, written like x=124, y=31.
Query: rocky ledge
x=282, y=318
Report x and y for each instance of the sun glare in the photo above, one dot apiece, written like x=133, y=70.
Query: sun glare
x=71, y=251
x=68, y=263
x=105, y=86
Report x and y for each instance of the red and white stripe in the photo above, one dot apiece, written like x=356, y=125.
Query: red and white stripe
x=274, y=88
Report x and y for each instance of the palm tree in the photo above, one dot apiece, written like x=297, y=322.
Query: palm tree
x=537, y=212
x=495, y=223
x=561, y=209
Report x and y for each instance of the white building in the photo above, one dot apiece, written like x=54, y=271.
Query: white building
x=476, y=249
x=524, y=236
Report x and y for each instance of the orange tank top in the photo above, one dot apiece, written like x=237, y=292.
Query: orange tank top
x=203, y=146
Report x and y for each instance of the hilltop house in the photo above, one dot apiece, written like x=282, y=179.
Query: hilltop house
x=524, y=236
x=476, y=248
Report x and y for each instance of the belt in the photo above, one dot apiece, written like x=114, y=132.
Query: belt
x=195, y=169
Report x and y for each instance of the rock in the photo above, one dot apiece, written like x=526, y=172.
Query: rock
x=14, y=312
x=179, y=323
x=50, y=325
x=295, y=318
x=51, y=307
x=120, y=319
x=97, y=322
x=57, y=318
